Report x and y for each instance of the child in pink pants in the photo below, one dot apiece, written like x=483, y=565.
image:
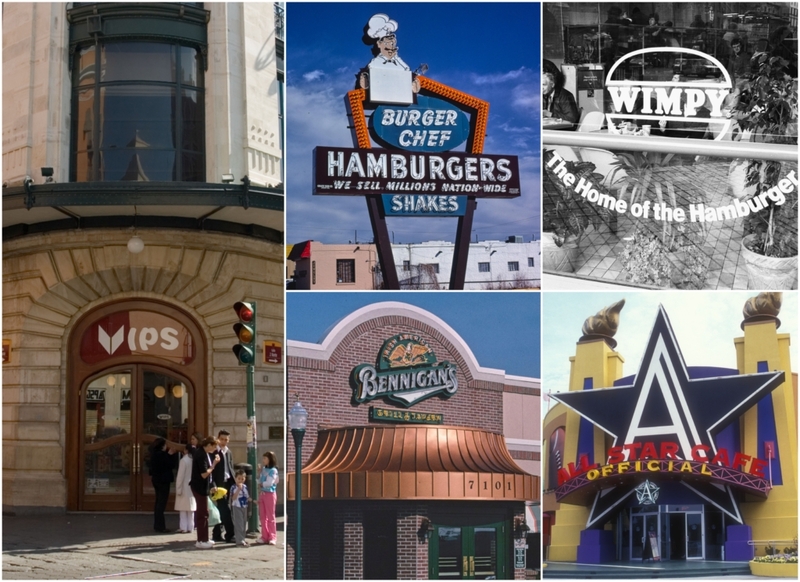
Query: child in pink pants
x=268, y=484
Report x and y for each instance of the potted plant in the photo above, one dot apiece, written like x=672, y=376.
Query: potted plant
x=660, y=253
x=775, y=564
x=567, y=215
x=767, y=112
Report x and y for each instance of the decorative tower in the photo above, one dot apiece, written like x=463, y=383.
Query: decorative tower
x=769, y=429
x=595, y=364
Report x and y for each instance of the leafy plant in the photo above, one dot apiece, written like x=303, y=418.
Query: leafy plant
x=567, y=213
x=692, y=270
x=642, y=176
x=767, y=110
x=776, y=559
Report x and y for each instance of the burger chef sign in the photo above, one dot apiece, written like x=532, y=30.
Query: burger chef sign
x=419, y=123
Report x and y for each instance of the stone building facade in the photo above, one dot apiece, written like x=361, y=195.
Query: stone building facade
x=84, y=390
x=402, y=482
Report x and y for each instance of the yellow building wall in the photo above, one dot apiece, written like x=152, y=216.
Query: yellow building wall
x=596, y=360
x=776, y=518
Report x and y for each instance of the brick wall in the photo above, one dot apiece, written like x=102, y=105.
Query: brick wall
x=353, y=543
x=324, y=386
x=412, y=556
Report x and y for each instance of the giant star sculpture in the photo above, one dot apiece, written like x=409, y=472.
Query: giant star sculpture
x=663, y=403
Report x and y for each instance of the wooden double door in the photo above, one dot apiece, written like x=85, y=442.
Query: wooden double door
x=123, y=410
x=137, y=372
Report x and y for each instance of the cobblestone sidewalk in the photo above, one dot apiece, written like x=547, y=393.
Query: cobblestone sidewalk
x=123, y=547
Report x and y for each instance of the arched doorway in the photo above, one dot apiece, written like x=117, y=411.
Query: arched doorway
x=136, y=373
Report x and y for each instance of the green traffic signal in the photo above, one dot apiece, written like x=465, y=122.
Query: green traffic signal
x=244, y=354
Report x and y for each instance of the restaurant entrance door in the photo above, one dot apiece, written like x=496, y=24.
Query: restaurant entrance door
x=124, y=409
x=468, y=552
x=137, y=371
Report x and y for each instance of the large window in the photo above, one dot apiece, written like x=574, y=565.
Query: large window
x=138, y=113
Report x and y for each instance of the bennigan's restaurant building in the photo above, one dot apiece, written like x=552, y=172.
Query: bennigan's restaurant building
x=406, y=471
x=674, y=463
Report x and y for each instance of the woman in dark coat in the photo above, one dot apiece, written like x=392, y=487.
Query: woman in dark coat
x=203, y=463
x=163, y=462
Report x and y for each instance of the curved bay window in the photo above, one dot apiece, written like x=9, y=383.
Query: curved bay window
x=138, y=113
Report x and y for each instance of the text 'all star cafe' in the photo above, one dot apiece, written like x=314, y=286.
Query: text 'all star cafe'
x=674, y=463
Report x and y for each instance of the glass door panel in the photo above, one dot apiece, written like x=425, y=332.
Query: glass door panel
x=107, y=407
x=637, y=536
x=165, y=407
x=468, y=552
x=485, y=553
x=123, y=412
x=641, y=526
x=694, y=536
x=651, y=527
x=451, y=558
x=107, y=442
x=107, y=470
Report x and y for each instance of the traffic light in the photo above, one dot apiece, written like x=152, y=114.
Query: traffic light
x=245, y=331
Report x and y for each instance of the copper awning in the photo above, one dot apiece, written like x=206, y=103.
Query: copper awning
x=413, y=462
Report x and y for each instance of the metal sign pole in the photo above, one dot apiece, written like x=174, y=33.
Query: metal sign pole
x=461, y=251
x=252, y=444
x=382, y=242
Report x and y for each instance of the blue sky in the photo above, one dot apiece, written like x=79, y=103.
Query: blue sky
x=490, y=51
x=705, y=324
x=501, y=329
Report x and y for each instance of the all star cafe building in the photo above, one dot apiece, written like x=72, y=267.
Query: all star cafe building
x=674, y=462
x=418, y=463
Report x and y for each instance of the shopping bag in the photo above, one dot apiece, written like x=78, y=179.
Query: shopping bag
x=213, y=514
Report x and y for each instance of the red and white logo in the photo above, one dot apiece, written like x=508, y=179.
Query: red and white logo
x=137, y=333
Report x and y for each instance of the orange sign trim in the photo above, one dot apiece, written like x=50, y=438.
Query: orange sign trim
x=356, y=99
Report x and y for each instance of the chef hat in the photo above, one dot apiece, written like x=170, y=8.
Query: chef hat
x=380, y=26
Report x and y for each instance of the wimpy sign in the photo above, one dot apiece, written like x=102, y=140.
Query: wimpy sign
x=671, y=100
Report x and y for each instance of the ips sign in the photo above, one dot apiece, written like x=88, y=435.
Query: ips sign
x=137, y=333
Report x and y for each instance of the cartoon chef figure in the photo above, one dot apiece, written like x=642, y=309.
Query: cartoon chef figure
x=381, y=29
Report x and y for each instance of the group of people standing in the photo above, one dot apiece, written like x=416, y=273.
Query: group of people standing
x=207, y=480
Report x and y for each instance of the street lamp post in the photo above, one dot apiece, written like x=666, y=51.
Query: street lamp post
x=298, y=417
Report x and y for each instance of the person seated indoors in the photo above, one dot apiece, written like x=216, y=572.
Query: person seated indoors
x=739, y=61
x=557, y=102
x=652, y=32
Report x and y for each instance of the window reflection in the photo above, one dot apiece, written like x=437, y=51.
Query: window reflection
x=165, y=407
x=108, y=407
x=148, y=123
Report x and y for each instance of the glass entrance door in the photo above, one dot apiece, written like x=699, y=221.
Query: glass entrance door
x=641, y=526
x=123, y=410
x=695, y=536
x=468, y=552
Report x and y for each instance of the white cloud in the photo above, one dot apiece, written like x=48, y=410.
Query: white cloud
x=496, y=78
x=314, y=75
x=525, y=97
